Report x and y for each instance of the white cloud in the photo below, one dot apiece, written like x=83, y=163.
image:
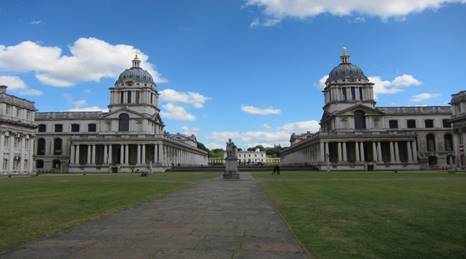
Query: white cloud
x=17, y=85
x=260, y=111
x=81, y=105
x=321, y=84
x=280, y=9
x=91, y=59
x=269, y=22
x=405, y=81
x=176, y=112
x=280, y=135
x=267, y=126
x=36, y=22
x=189, y=131
x=424, y=96
x=195, y=99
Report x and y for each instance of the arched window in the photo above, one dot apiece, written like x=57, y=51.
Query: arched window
x=39, y=164
x=41, y=146
x=56, y=164
x=359, y=120
x=123, y=122
x=448, y=141
x=430, y=143
x=57, y=146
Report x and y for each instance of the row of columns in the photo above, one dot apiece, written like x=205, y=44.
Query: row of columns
x=376, y=151
x=144, y=97
x=8, y=151
x=163, y=154
x=336, y=93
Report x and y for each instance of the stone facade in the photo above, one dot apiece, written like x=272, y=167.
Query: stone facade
x=458, y=107
x=129, y=137
x=17, y=131
x=357, y=135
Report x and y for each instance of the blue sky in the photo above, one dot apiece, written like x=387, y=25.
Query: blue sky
x=246, y=69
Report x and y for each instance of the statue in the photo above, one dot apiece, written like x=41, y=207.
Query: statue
x=231, y=161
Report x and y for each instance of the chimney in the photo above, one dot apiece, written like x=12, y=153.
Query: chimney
x=3, y=89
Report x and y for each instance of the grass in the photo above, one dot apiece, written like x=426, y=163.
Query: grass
x=373, y=215
x=33, y=207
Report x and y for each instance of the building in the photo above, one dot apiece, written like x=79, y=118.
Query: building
x=355, y=134
x=130, y=137
x=458, y=107
x=17, y=131
x=252, y=157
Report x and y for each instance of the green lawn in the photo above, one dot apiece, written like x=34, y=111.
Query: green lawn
x=373, y=215
x=32, y=207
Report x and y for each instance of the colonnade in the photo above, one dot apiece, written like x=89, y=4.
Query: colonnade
x=360, y=152
x=146, y=154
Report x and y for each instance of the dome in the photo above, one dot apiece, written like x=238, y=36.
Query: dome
x=135, y=74
x=346, y=71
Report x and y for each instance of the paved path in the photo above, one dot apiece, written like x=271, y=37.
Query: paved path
x=213, y=219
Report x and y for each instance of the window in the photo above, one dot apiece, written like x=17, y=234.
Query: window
x=8, y=109
x=360, y=94
x=393, y=124
x=122, y=98
x=41, y=146
x=74, y=127
x=411, y=124
x=446, y=123
x=123, y=122
x=345, y=96
x=359, y=120
x=353, y=93
x=129, y=97
x=429, y=124
x=91, y=127
x=430, y=143
x=137, y=97
x=42, y=128
x=39, y=164
x=448, y=140
x=57, y=146
x=58, y=128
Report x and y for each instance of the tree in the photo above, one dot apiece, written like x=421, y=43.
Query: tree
x=260, y=147
x=202, y=146
x=216, y=153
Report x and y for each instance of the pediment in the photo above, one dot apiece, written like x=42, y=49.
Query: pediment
x=369, y=111
x=115, y=114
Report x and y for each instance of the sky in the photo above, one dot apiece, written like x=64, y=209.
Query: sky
x=250, y=70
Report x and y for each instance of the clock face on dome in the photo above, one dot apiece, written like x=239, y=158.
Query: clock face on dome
x=129, y=83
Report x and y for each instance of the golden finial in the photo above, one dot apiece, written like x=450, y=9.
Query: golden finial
x=345, y=57
x=136, y=56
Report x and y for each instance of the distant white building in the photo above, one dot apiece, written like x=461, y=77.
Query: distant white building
x=17, y=131
x=252, y=157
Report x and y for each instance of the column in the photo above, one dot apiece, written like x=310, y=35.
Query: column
x=105, y=155
x=356, y=89
x=12, y=151
x=392, y=152
x=2, y=143
x=410, y=155
x=397, y=152
x=374, y=152
x=139, y=154
x=72, y=154
x=363, y=157
x=345, y=156
x=122, y=154
x=322, y=151
x=23, y=147
x=126, y=154
x=93, y=154
x=339, y=151
x=110, y=160
x=327, y=153
x=415, y=151
x=379, y=151
x=77, y=154
x=356, y=144
x=89, y=151
x=31, y=153
x=156, y=153
x=143, y=159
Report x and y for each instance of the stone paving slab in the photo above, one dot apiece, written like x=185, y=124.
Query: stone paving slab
x=213, y=219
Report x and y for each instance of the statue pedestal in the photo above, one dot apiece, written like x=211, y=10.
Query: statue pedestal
x=231, y=169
